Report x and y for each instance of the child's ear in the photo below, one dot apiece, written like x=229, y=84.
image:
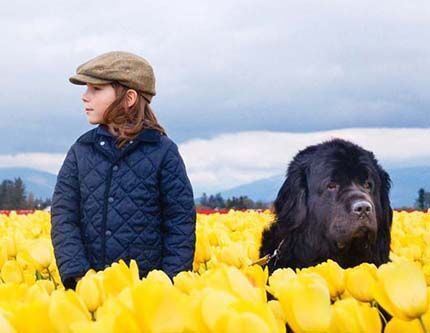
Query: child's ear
x=131, y=97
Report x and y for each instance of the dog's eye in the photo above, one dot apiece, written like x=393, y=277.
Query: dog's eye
x=332, y=186
x=368, y=185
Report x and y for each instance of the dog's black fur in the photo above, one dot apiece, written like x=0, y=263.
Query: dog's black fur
x=334, y=204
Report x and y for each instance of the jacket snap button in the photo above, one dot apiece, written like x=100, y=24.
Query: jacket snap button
x=108, y=233
x=131, y=141
x=110, y=199
x=102, y=143
x=115, y=167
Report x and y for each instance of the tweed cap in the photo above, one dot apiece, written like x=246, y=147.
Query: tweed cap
x=126, y=68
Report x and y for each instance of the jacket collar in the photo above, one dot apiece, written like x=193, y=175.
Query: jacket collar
x=146, y=135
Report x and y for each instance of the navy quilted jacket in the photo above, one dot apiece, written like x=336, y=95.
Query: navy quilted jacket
x=130, y=203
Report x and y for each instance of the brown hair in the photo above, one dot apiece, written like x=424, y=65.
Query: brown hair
x=127, y=122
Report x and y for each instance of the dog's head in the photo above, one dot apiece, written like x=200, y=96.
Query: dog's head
x=336, y=197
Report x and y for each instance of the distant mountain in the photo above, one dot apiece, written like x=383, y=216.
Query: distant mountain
x=264, y=189
x=40, y=183
x=405, y=185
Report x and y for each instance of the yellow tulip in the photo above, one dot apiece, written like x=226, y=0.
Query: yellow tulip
x=193, y=319
x=157, y=276
x=46, y=285
x=233, y=254
x=38, y=253
x=90, y=290
x=100, y=326
x=306, y=303
x=240, y=286
x=213, y=238
x=333, y=274
x=426, y=271
x=33, y=316
x=396, y=325
x=11, y=245
x=3, y=252
x=116, y=315
x=260, y=310
x=232, y=280
x=119, y=276
x=25, y=261
x=188, y=282
x=29, y=275
x=11, y=272
x=65, y=309
x=360, y=281
x=242, y=323
x=258, y=278
x=41, y=252
x=425, y=318
x=276, y=308
x=401, y=289
x=125, y=321
x=348, y=315
x=214, y=305
x=10, y=293
x=203, y=250
x=257, y=275
x=36, y=293
x=279, y=280
x=152, y=300
x=5, y=325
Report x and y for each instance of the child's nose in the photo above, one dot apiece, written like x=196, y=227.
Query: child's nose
x=84, y=97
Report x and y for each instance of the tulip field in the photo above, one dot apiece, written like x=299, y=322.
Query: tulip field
x=225, y=292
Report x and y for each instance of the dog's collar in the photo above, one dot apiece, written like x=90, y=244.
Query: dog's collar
x=268, y=257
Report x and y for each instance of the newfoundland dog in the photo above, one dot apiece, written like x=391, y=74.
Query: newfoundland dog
x=333, y=204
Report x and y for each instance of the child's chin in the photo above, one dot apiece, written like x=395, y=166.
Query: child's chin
x=93, y=122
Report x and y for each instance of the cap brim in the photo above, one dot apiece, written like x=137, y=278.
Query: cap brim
x=82, y=79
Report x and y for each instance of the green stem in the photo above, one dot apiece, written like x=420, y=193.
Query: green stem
x=52, y=278
x=422, y=325
x=375, y=305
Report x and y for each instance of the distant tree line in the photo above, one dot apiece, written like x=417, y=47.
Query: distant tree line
x=13, y=196
x=244, y=202
x=241, y=202
x=423, y=200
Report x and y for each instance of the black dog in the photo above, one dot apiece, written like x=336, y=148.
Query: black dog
x=334, y=204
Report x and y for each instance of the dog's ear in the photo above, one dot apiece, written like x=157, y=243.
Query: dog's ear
x=385, y=219
x=290, y=204
x=290, y=210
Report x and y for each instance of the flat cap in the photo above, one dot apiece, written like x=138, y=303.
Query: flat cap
x=126, y=68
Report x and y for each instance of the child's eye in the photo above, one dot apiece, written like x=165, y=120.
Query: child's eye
x=97, y=88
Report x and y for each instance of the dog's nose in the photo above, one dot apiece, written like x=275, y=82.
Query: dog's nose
x=361, y=207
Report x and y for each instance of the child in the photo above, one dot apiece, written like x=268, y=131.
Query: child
x=122, y=191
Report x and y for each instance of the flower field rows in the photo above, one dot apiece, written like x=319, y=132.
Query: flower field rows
x=224, y=293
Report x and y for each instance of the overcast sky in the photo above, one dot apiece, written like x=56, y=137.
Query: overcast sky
x=222, y=67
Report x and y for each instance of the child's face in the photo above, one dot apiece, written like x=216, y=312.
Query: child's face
x=97, y=99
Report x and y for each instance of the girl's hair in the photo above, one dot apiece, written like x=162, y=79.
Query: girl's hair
x=126, y=122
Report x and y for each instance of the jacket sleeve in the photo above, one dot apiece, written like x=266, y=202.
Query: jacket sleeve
x=178, y=214
x=66, y=236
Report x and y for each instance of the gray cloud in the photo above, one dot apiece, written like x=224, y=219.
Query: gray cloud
x=221, y=66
